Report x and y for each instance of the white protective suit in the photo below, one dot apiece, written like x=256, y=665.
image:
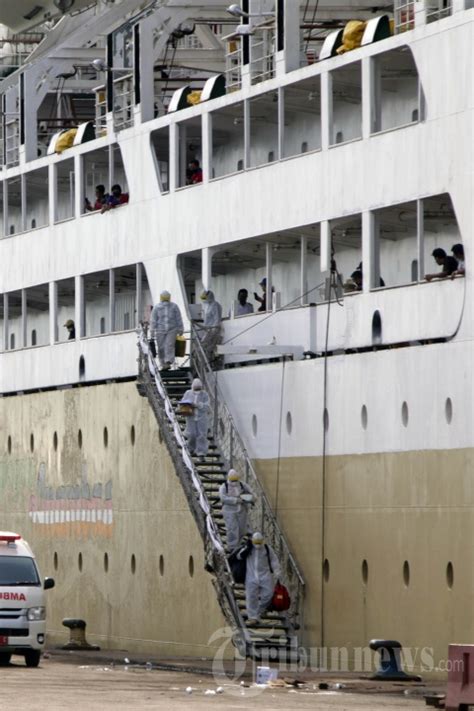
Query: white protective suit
x=166, y=324
x=235, y=510
x=212, y=317
x=260, y=581
x=197, y=423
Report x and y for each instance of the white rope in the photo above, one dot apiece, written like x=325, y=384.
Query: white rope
x=178, y=435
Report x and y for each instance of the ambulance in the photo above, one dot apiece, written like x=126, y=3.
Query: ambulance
x=22, y=601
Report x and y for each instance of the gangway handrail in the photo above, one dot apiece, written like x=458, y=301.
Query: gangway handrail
x=216, y=560
x=236, y=455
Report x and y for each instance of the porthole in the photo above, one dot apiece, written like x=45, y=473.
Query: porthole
x=55, y=441
x=326, y=419
x=106, y=562
x=79, y=562
x=79, y=439
x=448, y=410
x=326, y=570
x=289, y=422
x=450, y=575
x=106, y=437
x=32, y=442
x=405, y=414
x=133, y=564
x=406, y=573
x=161, y=565
x=365, y=572
x=191, y=566
x=132, y=435
x=9, y=444
x=254, y=425
x=55, y=561
x=364, y=417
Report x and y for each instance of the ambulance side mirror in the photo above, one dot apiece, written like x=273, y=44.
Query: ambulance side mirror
x=49, y=583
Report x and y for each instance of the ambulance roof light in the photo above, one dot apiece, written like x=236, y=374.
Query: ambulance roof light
x=9, y=537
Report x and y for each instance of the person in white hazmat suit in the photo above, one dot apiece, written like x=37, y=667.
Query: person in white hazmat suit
x=263, y=570
x=197, y=424
x=236, y=498
x=166, y=324
x=212, y=317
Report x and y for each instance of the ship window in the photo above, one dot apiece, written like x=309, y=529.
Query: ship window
x=271, y=156
x=82, y=372
x=55, y=441
x=347, y=245
x=133, y=564
x=95, y=170
x=106, y=562
x=346, y=97
x=79, y=439
x=14, y=204
x=414, y=270
x=364, y=417
x=227, y=139
x=326, y=570
x=79, y=562
x=440, y=229
x=326, y=419
x=132, y=435
x=125, y=296
x=37, y=314
x=376, y=328
x=191, y=566
x=405, y=414
x=9, y=444
x=396, y=94
x=160, y=143
x=254, y=425
x=365, y=572
x=55, y=561
x=396, y=238
x=448, y=410
x=102, y=324
x=118, y=175
x=37, y=198
x=32, y=442
x=289, y=423
x=406, y=573
x=15, y=318
x=161, y=565
x=106, y=437
x=189, y=152
x=339, y=137
x=263, y=137
x=450, y=575
x=302, y=111
x=65, y=290
x=65, y=184
x=96, y=301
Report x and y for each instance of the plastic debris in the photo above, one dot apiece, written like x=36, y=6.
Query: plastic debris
x=209, y=692
x=149, y=666
x=189, y=690
x=219, y=690
x=126, y=660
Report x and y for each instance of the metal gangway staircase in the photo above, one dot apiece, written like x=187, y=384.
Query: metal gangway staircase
x=276, y=636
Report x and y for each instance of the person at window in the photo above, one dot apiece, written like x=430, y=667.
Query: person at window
x=101, y=198
x=262, y=299
x=359, y=268
x=448, y=264
x=166, y=325
x=71, y=327
x=243, y=306
x=194, y=173
x=116, y=198
x=458, y=252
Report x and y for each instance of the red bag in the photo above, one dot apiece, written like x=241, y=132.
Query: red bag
x=281, y=600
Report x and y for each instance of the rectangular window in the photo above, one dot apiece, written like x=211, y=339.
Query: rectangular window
x=302, y=122
x=14, y=206
x=396, y=244
x=228, y=142
x=160, y=142
x=263, y=128
x=346, y=243
x=190, y=152
x=96, y=301
x=65, y=310
x=65, y=189
x=37, y=315
x=37, y=198
x=346, y=97
x=396, y=93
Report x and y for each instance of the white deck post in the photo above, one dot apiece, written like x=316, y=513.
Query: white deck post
x=326, y=110
x=53, y=312
x=111, y=300
x=79, y=307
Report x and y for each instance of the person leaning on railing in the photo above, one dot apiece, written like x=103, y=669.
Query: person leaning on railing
x=449, y=265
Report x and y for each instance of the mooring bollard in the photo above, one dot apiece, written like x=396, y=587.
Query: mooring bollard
x=77, y=630
x=390, y=662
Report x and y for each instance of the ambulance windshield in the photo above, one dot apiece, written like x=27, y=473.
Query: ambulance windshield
x=18, y=571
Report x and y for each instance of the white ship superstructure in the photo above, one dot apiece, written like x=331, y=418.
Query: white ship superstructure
x=316, y=157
